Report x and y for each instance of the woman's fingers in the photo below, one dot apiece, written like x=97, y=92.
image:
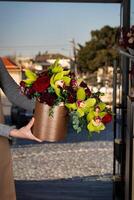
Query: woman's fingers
x=36, y=139
x=30, y=124
x=26, y=131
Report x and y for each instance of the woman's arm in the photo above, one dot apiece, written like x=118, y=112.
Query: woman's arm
x=5, y=130
x=12, y=90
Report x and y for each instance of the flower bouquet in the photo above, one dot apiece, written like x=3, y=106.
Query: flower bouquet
x=126, y=39
x=60, y=94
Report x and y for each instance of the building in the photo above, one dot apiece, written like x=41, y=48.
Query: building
x=45, y=60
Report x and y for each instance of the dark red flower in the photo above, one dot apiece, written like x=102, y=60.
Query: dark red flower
x=72, y=74
x=71, y=94
x=31, y=90
x=41, y=84
x=48, y=98
x=107, y=118
x=88, y=92
x=83, y=84
x=71, y=99
x=22, y=84
x=73, y=83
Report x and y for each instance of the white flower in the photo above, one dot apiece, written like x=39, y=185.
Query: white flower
x=129, y=34
x=60, y=83
x=131, y=40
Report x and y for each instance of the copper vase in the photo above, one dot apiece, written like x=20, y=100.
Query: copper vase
x=50, y=127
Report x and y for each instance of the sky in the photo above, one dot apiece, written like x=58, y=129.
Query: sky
x=29, y=27
x=132, y=13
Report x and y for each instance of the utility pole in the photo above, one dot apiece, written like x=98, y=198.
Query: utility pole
x=74, y=55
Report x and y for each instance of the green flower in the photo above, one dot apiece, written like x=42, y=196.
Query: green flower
x=95, y=125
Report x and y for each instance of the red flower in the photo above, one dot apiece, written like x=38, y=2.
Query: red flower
x=41, y=84
x=107, y=118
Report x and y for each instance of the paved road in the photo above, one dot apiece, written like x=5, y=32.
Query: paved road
x=64, y=190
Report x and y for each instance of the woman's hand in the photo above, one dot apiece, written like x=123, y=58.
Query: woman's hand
x=24, y=132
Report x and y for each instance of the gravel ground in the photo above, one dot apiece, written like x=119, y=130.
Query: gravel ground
x=62, y=160
x=76, y=157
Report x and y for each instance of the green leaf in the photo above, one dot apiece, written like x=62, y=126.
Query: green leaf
x=75, y=127
x=77, y=122
x=57, y=90
x=51, y=90
x=79, y=130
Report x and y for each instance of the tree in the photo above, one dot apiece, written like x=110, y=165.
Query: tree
x=99, y=51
